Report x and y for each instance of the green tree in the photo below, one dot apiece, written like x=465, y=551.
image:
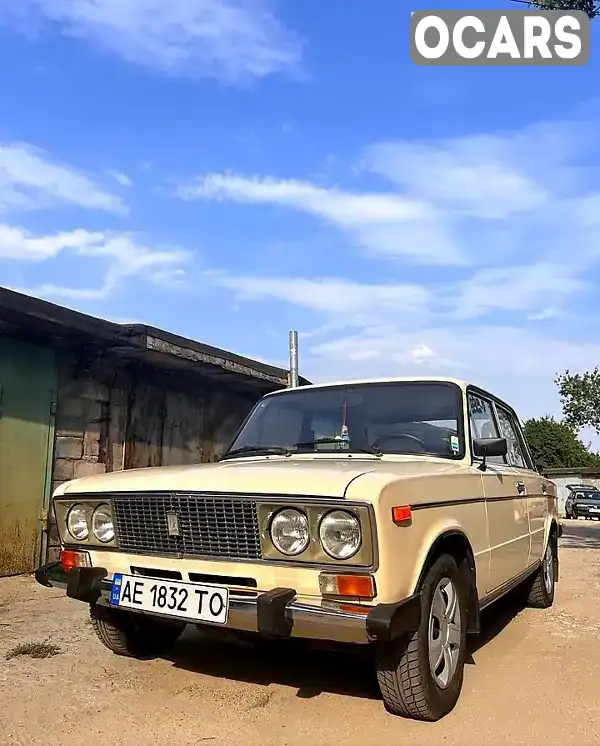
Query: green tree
x=591, y=7
x=556, y=445
x=580, y=398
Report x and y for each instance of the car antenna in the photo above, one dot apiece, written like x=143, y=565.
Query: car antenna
x=293, y=376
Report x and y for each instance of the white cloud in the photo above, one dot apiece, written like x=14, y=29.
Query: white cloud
x=29, y=180
x=516, y=364
x=20, y=244
x=337, y=299
x=474, y=175
x=517, y=288
x=489, y=200
x=121, y=178
x=384, y=222
x=546, y=313
x=331, y=204
x=121, y=255
x=347, y=303
x=225, y=39
x=422, y=352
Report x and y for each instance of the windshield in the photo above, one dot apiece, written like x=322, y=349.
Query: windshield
x=399, y=418
x=590, y=495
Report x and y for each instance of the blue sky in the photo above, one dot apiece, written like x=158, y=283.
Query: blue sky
x=231, y=169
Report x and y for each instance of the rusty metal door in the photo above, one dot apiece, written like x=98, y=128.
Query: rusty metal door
x=27, y=395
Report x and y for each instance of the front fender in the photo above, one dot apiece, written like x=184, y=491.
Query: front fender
x=404, y=551
x=431, y=539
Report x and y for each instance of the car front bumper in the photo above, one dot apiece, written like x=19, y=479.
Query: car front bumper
x=278, y=613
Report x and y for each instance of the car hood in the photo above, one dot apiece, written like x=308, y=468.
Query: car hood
x=319, y=477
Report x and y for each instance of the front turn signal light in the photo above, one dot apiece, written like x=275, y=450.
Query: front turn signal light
x=350, y=586
x=402, y=515
x=70, y=559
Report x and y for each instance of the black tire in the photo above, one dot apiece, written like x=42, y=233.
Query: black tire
x=404, y=674
x=133, y=635
x=541, y=588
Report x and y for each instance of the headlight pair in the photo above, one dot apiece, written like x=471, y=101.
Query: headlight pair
x=102, y=524
x=339, y=533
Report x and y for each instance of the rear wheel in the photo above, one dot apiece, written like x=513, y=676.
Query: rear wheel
x=133, y=635
x=420, y=675
x=541, y=588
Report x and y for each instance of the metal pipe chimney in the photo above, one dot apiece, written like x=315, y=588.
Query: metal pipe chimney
x=294, y=382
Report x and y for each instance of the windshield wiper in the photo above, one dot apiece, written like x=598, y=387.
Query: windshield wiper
x=318, y=441
x=257, y=451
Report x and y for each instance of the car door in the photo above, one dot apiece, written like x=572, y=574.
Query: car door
x=533, y=486
x=506, y=502
x=569, y=505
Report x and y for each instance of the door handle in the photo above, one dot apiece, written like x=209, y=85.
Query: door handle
x=521, y=488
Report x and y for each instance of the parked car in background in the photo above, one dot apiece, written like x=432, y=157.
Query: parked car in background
x=387, y=513
x=583, y=501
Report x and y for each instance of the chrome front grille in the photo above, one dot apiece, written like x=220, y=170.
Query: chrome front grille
x=208, y=526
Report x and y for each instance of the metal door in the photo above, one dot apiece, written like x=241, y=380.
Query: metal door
x=27, y=395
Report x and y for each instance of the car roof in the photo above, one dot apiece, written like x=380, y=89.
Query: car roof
x=366, y=381
x=462, y=384
x=583, y=487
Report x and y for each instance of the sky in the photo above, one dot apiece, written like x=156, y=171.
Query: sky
x=229, y=170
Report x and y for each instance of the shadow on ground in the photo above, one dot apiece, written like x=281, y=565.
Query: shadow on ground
x=348, y=671
x=580, y=534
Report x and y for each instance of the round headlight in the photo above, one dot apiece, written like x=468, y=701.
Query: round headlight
x=77, y=523
x=289, y=531
x=340, y=534
x=102, y=524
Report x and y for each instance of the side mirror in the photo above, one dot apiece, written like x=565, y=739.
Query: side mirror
x=489, y=447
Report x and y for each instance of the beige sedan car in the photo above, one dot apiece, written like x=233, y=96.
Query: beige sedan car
x=384, y=513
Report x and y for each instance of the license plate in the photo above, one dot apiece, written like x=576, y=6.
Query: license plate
x=191, y=601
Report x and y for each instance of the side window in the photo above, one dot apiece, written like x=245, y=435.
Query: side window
x=516, y=457
x=482, y=421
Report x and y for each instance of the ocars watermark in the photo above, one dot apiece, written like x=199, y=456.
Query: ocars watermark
x=495, y=37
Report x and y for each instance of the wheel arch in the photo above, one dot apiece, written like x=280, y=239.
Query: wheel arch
x=553, y=533
x=454, y=542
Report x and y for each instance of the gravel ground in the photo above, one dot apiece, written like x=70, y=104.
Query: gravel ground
x=532, y=678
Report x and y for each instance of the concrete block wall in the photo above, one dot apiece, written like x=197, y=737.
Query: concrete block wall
x=87, y=415
x=82, y=421
x=110, y=417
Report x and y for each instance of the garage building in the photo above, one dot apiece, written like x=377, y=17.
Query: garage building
x=80, y=395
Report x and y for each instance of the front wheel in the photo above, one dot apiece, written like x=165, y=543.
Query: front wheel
x=420, y=675
x=133, y=635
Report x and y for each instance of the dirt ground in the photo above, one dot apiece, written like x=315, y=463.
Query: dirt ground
x=532, y=678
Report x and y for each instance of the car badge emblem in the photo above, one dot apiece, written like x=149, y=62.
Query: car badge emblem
x=173, y=524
